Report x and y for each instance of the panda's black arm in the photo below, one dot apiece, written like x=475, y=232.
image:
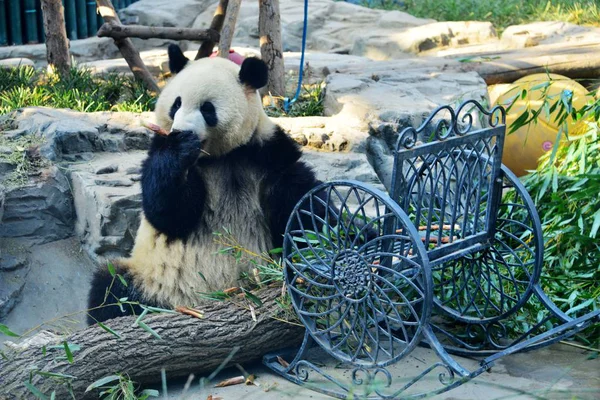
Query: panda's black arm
x=285, y=190
x=106, y=290
x=172, y=190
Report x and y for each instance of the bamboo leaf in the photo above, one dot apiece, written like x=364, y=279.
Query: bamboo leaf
x=111, y=269
x=102, y=382
x=107, y=329
x=4, y=329
x=35, y=391
x=145, y=327
x=68, y=352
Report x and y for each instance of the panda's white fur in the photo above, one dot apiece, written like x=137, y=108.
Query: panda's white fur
x=247, y=183
x=239, y=107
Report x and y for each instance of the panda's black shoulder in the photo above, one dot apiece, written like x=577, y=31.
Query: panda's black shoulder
x=274, y=154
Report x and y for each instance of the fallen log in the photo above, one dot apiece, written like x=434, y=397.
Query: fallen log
x=580, y=61
x=186, y=345
x=117, y=31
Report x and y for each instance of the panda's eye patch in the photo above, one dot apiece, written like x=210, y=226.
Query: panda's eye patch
x=176, y=106
x=209, y=113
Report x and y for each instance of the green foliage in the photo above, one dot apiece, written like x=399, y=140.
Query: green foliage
x=80, y=90
x=565, y=189
x=120, y=387
x=309, y=103
x=502, y=13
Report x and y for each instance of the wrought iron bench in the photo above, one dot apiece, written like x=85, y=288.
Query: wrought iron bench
x=447, y=261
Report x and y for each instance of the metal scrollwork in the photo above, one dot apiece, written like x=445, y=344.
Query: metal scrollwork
x=449, y=258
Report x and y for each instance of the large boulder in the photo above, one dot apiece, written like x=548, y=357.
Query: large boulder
x=107, y=198
x=41, y=210
x=333, y=26
x=73, y=136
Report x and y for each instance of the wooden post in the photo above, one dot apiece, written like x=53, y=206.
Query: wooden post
x=233, y=9
x=206, y=48
x=128, y=50
x=271, y=50
x=57, y=45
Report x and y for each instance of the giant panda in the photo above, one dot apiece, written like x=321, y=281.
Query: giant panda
x=224, y=165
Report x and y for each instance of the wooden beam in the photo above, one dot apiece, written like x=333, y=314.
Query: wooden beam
x=128, y=50
x=206, y=48
x=233, y=9
x=57, y=44
x=149, y=32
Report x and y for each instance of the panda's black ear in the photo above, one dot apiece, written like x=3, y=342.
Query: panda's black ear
x=177, y=60
x=254, y=73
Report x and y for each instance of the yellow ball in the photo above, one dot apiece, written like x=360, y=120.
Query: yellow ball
x=526, y=145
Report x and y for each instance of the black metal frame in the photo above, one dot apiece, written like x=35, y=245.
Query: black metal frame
x=446, y=260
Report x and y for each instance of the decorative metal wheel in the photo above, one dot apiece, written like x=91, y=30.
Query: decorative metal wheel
x=491, y=284
x=357, y=273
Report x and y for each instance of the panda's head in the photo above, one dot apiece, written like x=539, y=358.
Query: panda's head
x=218, y=101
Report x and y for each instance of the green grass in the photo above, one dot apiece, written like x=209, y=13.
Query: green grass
x=502, y=13
x=309, y=103
x=80, y=90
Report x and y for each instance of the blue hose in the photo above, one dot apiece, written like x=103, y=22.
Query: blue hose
x=287, y=103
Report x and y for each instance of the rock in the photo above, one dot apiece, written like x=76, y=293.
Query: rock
x=5, y=150
x=384, y=97
x=83, y=50
x=333, y=26
x=16, y=62
x=335, y=166
x=2, y=198
x=69, y=135
x=325, y=133
x=176, y=13
x=107, y=210
x=107, y=169
x=10, y=263
x=41, y=211
x=548, y=32
x=153, y=59
x=11, y=286
x=114, y=182
x=385, y=45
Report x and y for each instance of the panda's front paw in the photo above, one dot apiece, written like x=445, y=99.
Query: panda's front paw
x=188, y=146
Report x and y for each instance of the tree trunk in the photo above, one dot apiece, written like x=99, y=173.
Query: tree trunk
x=187, y=345
x=568, y=59
x=271, y=50
x=128, y=50
x=159, y=32
x=206, y=48
x=233, y=9
x=57, y=44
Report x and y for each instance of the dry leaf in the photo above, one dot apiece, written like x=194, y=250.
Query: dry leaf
x=250, y=380
x=236, y=380
x=231, y=291
x=189, y=311
x=253, y=313
x=283, y=363
x=211, y=397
